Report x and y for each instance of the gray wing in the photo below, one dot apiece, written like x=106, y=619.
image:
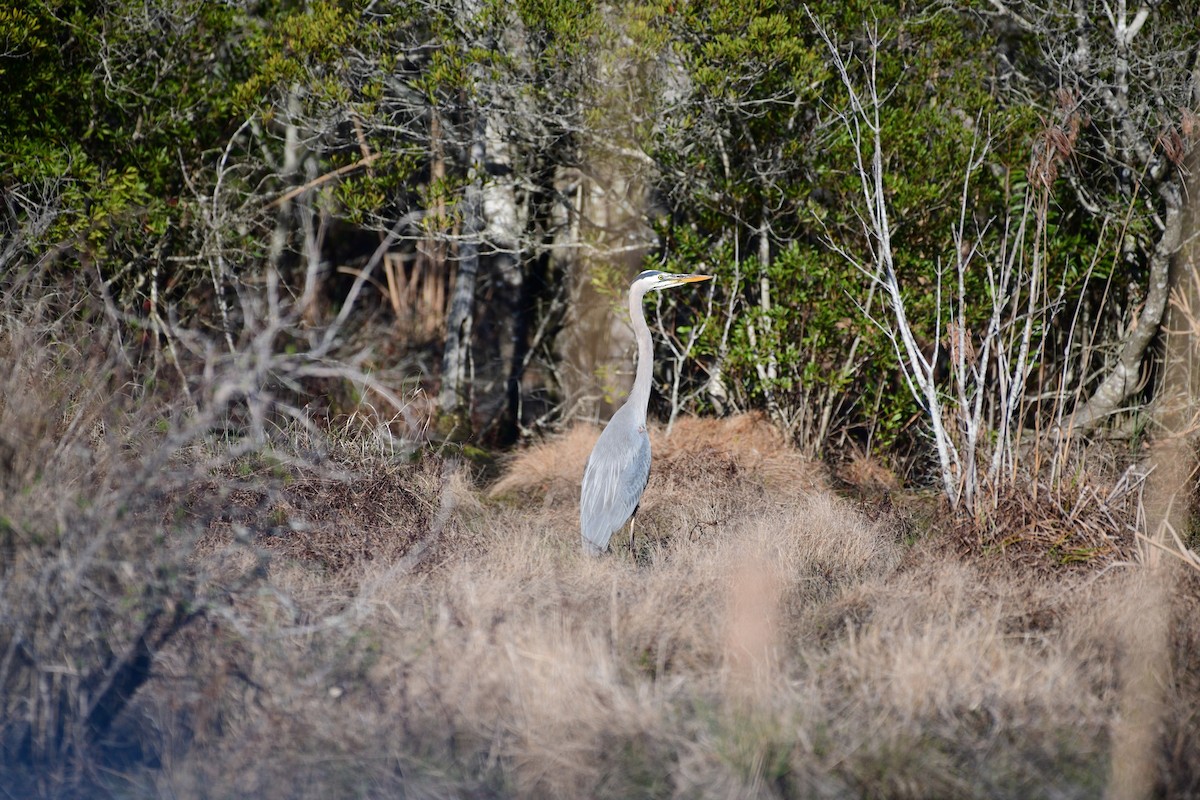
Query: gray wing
x=613, y=483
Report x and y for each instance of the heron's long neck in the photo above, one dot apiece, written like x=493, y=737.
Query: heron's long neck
x=639, y=396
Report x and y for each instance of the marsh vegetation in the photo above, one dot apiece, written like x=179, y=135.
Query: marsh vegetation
x=310, y=314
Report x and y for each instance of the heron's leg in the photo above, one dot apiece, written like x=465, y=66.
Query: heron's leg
x=632, y=552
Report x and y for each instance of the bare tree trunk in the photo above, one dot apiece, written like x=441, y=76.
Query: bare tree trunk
x=1139, y=152
x=503, y=323
x=423, y=299
x=454, y=398
x=765, y=360
x=289, y=171
x=1117, y=387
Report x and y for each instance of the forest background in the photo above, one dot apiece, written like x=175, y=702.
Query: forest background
x=265, y=261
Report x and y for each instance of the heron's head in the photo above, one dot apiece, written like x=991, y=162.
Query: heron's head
x=652, y=279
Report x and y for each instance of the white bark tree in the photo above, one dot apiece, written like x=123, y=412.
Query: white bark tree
x=1129, y=72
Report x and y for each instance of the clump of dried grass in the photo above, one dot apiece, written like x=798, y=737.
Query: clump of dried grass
x=704, y=474
x=335, y=516
x=549, y=471
x=866, y=474
x=754, y=446
x=746, y=443
x=1087, y=526
x=950, y=688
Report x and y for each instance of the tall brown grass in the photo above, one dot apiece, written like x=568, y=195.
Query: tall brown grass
x=361, y=622
x=769, y=640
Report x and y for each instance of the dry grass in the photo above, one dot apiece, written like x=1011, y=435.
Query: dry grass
x=367, y=625
x=705, y=474
x=335, y=516
x=538, y=672
x=794, y=648
x=1084, y=528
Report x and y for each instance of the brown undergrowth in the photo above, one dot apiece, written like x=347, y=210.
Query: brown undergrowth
x=1036, y=529
x=335, y=516
x=341, y=620
x=767, y=639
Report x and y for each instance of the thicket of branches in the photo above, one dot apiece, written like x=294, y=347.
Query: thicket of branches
x=456, y=192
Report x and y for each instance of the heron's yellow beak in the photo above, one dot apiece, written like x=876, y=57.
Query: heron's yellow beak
x=679, y=280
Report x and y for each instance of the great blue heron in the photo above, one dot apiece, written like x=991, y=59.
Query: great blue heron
x=619, y=466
